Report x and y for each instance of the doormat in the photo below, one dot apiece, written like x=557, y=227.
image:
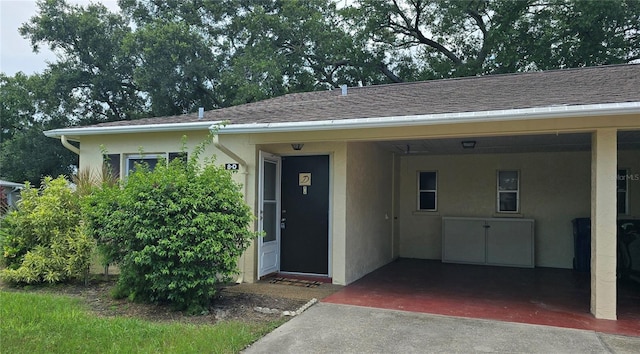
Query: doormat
x=295, y=282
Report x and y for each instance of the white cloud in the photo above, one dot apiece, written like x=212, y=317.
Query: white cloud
x=15, y=51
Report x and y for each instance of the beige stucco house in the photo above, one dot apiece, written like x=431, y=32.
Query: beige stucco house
x=480, y=170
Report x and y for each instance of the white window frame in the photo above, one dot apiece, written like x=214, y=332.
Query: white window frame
x=625, y=177
x=500, y=192
x=420, y=191
x=130, y=157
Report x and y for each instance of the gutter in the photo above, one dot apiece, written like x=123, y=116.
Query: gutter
x=550, y=112
x=68, y=145
x=245, y=172
x=124, y=129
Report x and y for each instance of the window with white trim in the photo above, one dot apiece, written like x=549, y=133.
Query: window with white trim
x=151, y=160
x=428, y=190
x=508, y=198
x=622, y=188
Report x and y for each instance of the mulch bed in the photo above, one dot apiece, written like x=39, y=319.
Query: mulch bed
x=226, y=306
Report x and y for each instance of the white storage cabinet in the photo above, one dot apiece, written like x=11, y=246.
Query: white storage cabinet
x=489, y=241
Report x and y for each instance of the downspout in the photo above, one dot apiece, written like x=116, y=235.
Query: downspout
x=245, y=171
x=68, y=145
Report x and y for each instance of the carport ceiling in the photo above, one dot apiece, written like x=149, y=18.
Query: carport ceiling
x=508, y=144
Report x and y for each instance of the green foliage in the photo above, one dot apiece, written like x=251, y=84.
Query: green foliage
x=446, y=38
x=42, y=240
x=16, y=104
x=176, y=67
x=30, y=156
x=94, y=81
x=25, y=153
x=175, y=232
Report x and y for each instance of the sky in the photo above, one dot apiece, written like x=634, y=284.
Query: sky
x=15, y=51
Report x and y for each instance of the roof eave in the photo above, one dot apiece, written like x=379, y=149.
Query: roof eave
x=129, y=129
x=4, y=183
x=606, y=109
x=550, y=112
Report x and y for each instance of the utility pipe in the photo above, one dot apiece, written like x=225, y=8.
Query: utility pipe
x=231, y=154
x=68, y=145
x=245, y=172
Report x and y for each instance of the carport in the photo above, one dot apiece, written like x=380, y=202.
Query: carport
x=559, y=176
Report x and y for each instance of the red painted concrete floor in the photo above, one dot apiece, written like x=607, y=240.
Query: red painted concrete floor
x=544, y=296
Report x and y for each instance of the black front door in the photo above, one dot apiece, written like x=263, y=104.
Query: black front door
x=305, y=214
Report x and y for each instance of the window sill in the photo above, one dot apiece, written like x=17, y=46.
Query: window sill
x=508, y=215
x=426, y=213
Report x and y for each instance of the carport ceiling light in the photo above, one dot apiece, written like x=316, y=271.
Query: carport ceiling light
x=469, y=144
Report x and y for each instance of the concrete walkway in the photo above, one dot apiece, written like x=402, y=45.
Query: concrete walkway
x=332, y=328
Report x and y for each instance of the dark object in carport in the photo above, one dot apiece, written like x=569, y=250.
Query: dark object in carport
x=629, y=249
x=628, y=246
x=582, y=244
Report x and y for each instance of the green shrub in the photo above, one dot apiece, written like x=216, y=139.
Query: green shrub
x=175, y=232
x=98, y=208
x=42, y=239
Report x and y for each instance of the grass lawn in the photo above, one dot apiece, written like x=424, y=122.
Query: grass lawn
x=44, y=323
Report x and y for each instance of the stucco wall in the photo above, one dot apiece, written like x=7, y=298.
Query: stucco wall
x=555, y=188
x=369, y=227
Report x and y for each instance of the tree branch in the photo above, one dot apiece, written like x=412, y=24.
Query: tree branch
x=482, y=54
x=385, y=70
x=414, y=31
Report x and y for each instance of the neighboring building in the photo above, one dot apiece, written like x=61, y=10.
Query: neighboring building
x=9, y=194
x=345, y=181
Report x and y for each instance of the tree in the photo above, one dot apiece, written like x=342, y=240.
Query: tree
x=30, y=156
x=291, y=46
x=17, y=107
x=94, y=76
x=445, y=38
x=591, y=33
x=269, y=48
x=27, y=110
x=174, y=67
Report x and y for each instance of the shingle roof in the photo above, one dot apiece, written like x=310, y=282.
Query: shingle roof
x=567, y=87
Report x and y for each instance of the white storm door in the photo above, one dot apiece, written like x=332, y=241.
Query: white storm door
x=269, y=214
